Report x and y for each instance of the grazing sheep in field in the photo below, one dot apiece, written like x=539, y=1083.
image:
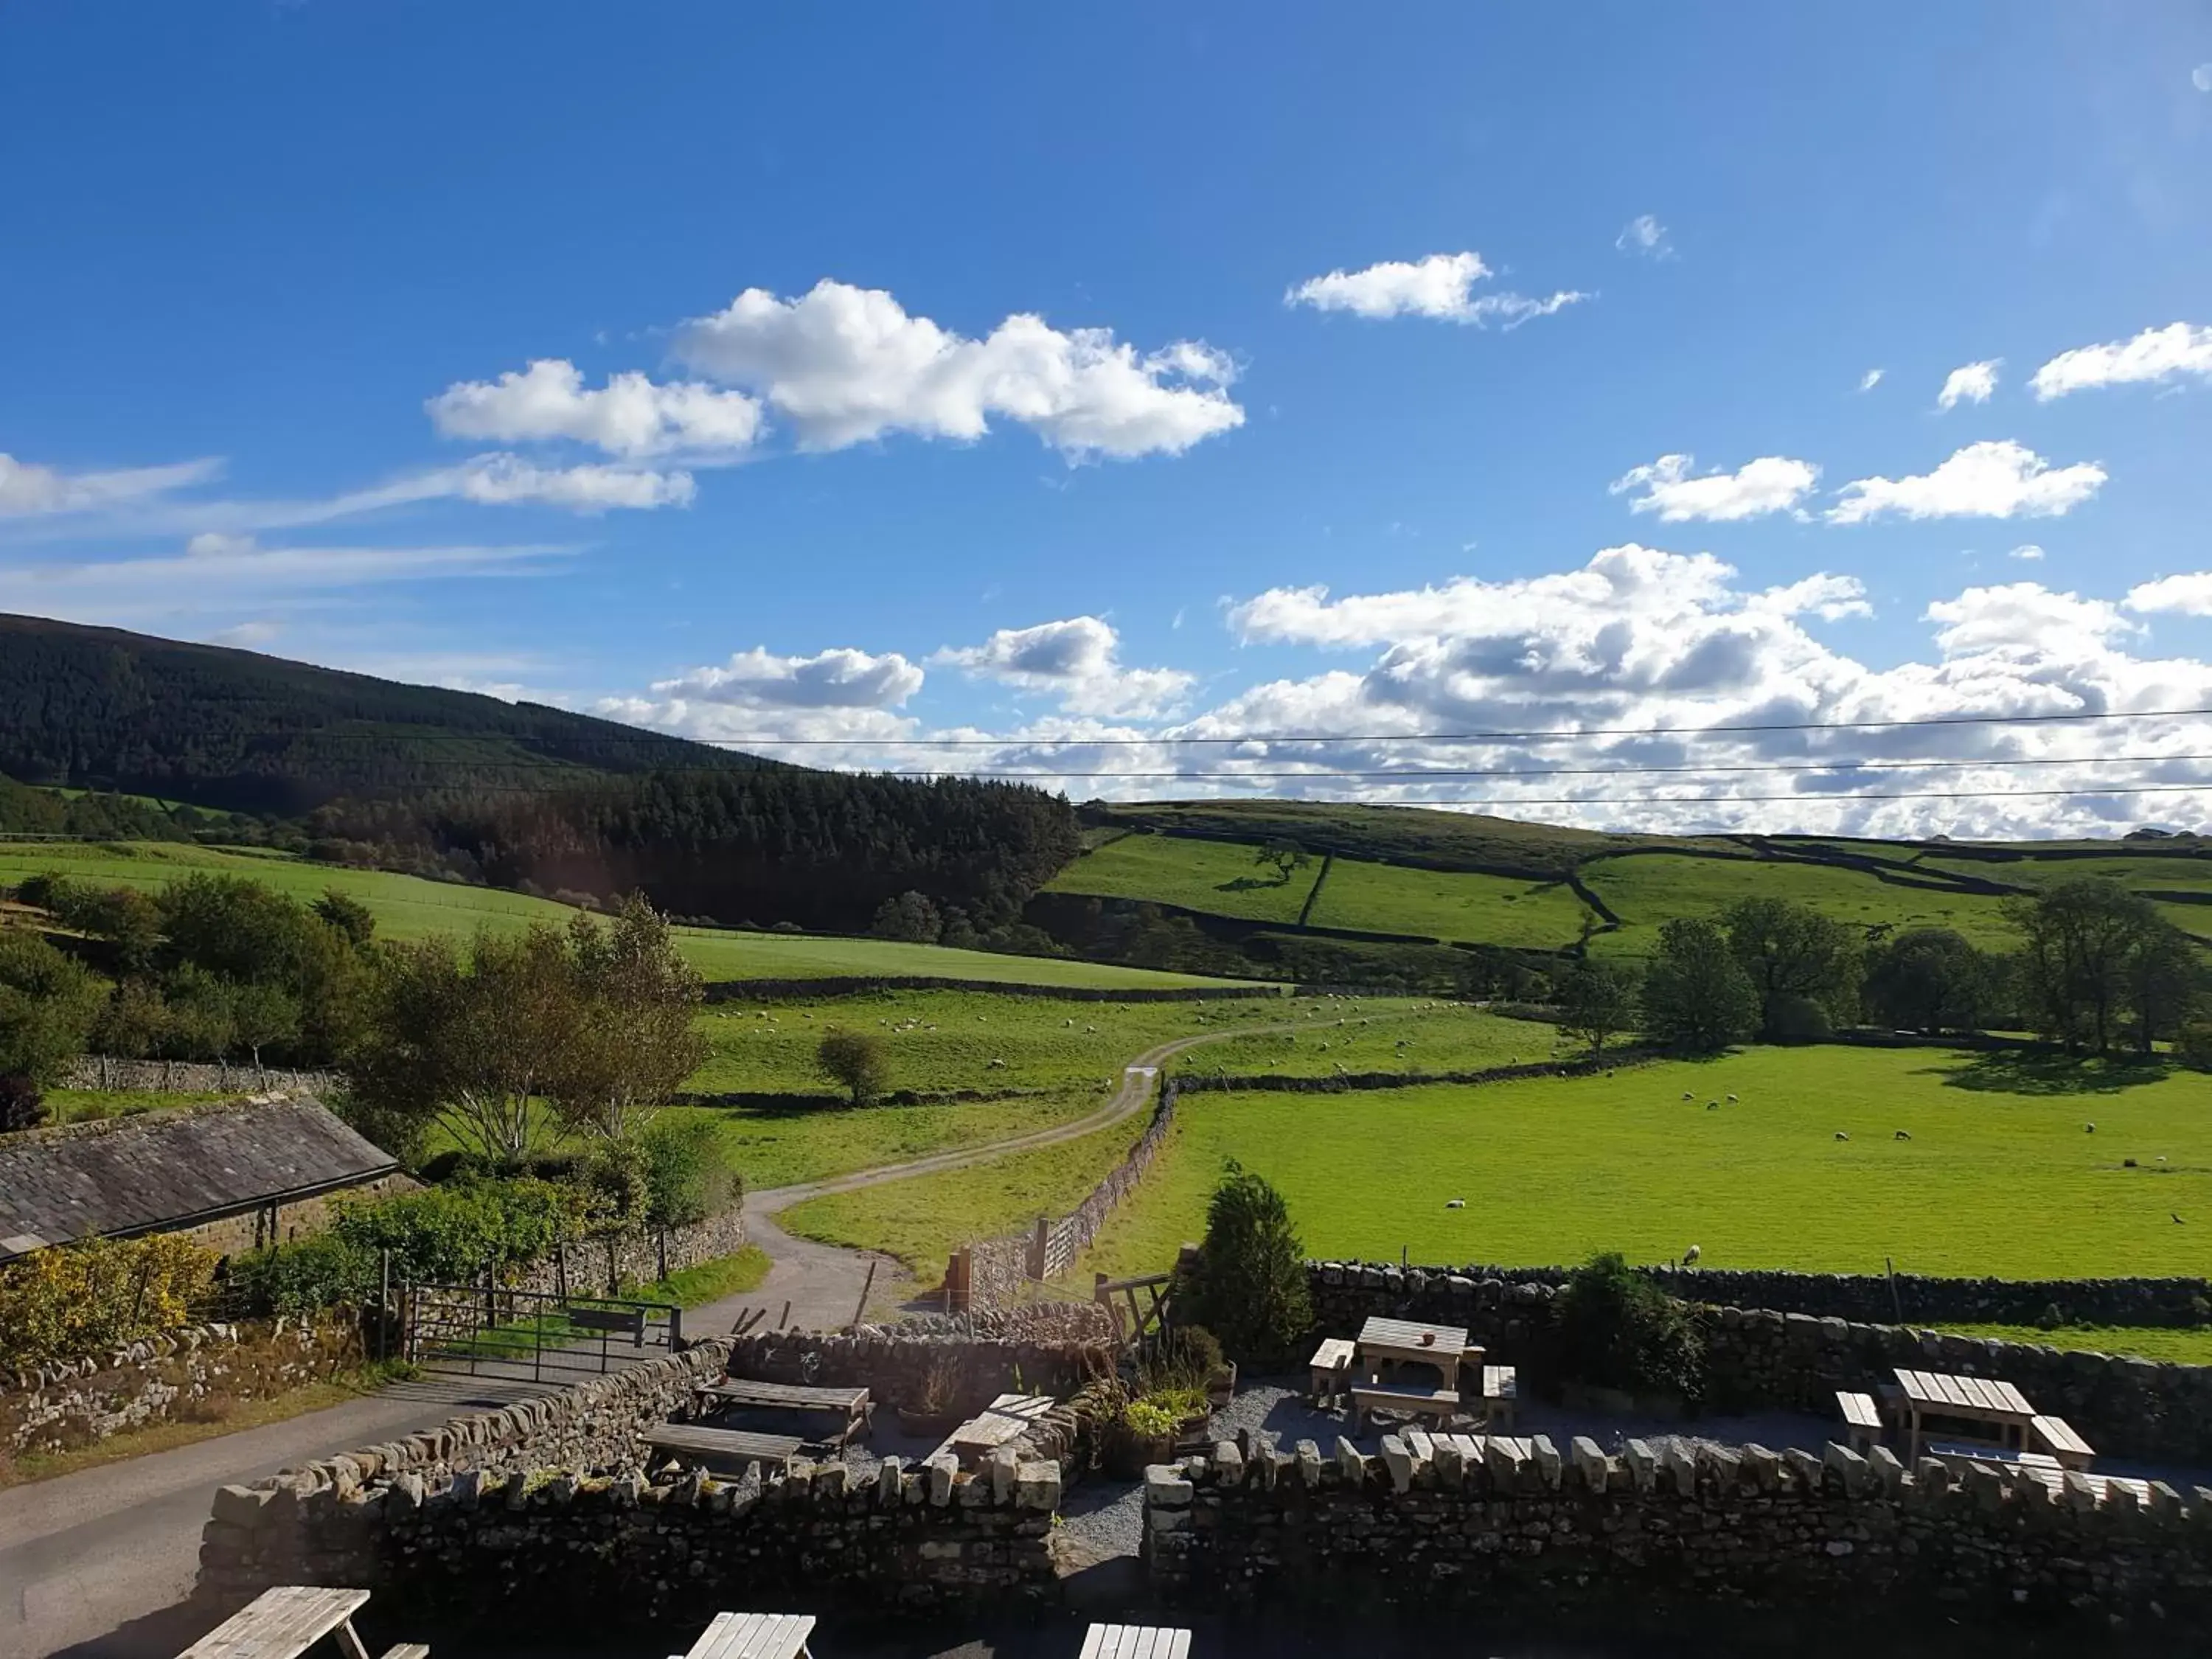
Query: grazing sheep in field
x=2088, y=1129
x=1902, y=1135
x=1731, y=1099
x=1455, y=1203
x=1712, y=1105
x=1840, y=1135
x=1686, y=1095
x=996, y=1066
x=2177, y=1221
x=1690, y=1256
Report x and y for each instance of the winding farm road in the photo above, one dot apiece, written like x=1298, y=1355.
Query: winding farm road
x=94, y=1565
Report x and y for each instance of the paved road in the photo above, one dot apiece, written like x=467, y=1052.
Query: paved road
x=92, y=1565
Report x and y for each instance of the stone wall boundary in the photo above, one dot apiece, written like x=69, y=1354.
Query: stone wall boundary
x=105, y=1073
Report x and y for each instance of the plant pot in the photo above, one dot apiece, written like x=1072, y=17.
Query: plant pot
x=1221, y=1387
x=1128, y=1453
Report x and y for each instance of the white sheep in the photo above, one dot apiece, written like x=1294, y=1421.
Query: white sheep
x=1686, y=1095
x=1690, y=1256
x=1731, y=1100
x=1712, y=1105
x=1903, y=1134
x=1455, y=1203
x=2088, y=1129
x=1840, y=1135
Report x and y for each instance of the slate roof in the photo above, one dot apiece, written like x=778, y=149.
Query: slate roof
x=156, y=1170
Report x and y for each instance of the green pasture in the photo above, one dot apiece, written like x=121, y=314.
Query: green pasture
x=1219, y=878
x=1480, y=909
x=2183, y=1347
x=1383, y=1034
x=1999, y=1176
x=412, y=908
x=1645, y=890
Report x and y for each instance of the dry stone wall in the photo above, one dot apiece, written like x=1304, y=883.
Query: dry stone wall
x=934, y=1371
x=1669, y=1522
x=598, y=1267
x=104, y=1072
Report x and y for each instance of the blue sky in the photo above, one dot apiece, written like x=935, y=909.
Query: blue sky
x=1025, y=372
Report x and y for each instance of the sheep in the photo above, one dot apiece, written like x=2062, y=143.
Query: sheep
x=996, y=1066
x=1690, y=1256
x=1455, y=1203
x=1731, y=1100
x=1902, y=1135
x=1840, y=1135
x=2177, y=1221
x=1712, y=1105
x=1686, y=1095
x=2088, y=1129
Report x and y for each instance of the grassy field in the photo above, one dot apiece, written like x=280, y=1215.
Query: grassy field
x=1385, y=1033
x=1644, y=891
x=2183, y=1347
x=1220, y=877
x=410, y=908
x=74, y=1105
x=1480, y=909
x=1999, y=1176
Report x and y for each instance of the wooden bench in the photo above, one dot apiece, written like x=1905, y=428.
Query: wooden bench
x=2058, y=1436
x=1007, y=1417
x=1135, y=1642
x=1331, y=1366
x=408, y=1650
x=1861, y=1419
x=723, y=1451
x=850, y=1406
x=283, y=1623
x=1501, y=1395
x=609, y=1321
x=1442, y=1404
x=755, y=1636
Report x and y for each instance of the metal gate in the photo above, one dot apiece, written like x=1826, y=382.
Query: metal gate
x=490, y=1329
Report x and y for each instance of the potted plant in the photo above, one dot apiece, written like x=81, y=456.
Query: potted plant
x=1148, y=1435
x=935, y=1410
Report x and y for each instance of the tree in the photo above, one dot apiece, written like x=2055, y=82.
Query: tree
x=49, y=1002
x=1596, y=1000
x=1930, y=980
x=687, y=1173
x=1248, y=1284
x=1793, y=955
x=633, y=1044
x=1286, y=856
x=2092, y=954
x=1619, y=1330
x=1695, y=995
x=127, y=919
x=910, y=916
x=353, y=918
x=854, y=1060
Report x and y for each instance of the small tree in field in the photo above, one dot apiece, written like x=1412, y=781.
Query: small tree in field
x=1596, y=1000
x=1284, y=857
x=1697, y=998
x=1249, y=1285
x=855, y=1062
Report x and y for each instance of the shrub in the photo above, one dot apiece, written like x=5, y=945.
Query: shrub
x=1619, y=1330
x=1186, y=1357
x=688, y=1174
x=21, y=1105
x=854, y=1060
x=78, y=1299
x=1249, y=1285
x=1799, y=1019
x=1148, y=1420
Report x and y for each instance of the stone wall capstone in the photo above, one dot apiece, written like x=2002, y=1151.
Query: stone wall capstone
x=1672, y=1521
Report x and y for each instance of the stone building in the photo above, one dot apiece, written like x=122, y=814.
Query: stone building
x=235, y=1176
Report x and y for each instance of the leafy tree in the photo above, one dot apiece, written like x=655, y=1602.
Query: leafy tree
x=1619, y=1330
x=135, y=1022
x=1931, y=980
x=910, y=916
x=856, y=1061
x=1248, y=1284
x=199, y=1018
x=21, y=1105
x=1697, y=996
x=688, y=1172
x=343, y=911
x=127, y=919
x=1284, y=856
x=1793, y=955
x=2093, y=955
x=1596, y=1000
x=632, y=1043
x=2166, y=979
x=616, y=1185
x=49, y=1002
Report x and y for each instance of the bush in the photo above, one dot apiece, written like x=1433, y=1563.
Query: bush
x=21, y=1105
x=1799, y=1019
x=1619, y=1330
x=1186, y=1357
x=856, y=1061
x=79, y=1299
x=688, y=1174
x=1249, y=1285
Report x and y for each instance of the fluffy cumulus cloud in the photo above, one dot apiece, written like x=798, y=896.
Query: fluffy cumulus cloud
x=629, y=416
x=1440, y=286
x=1970, y=383
x=2174, y=352
x=1773, y=483
x=838, y=695
x=1077, y=661
x=1998, y=479
x=26, y=488
x=2027, y=550
x=842, y=365
x=1644, y=234
x=2190, y=594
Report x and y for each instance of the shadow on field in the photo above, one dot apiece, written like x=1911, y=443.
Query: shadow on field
x=2017, y=1072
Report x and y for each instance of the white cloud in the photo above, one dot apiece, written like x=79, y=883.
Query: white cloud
x=2190, y=595
x=1076, y=661
x=1439, y=286
x=1991, y=480
x=1871, y=379
x=247, y=635
x=2027, y=550
x=838, y=678
x=2156, y=354
x=26, y=488
x=1773, y=483
x=844, y=364
x=2201, y=77
x=1972, y=383
x=1644, y=234
x=507, y=480
x=631, y=415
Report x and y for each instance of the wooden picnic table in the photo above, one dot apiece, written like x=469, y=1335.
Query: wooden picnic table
x=1386, y=1345
x=1008, y=1417
x=283, y=1623
x=1135, y=1642
x=1966, y=1399
x=850, y=1406
x=723, y=1451
x=755, y=1636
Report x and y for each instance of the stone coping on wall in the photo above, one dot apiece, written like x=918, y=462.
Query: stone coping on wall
x=1675, y=1518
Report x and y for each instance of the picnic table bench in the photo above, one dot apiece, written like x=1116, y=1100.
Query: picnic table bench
x=1964, y=1399
x=723, y=1451
x=1501, y=1395
x=1135, y=1642
x=851, y=1406
x=1862, y=1421
x=283, y=1622
x=1331, y=1366
x=1387, y=1346
x=1007, y=1417
x=2062, y=1443
x=755, y=1636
